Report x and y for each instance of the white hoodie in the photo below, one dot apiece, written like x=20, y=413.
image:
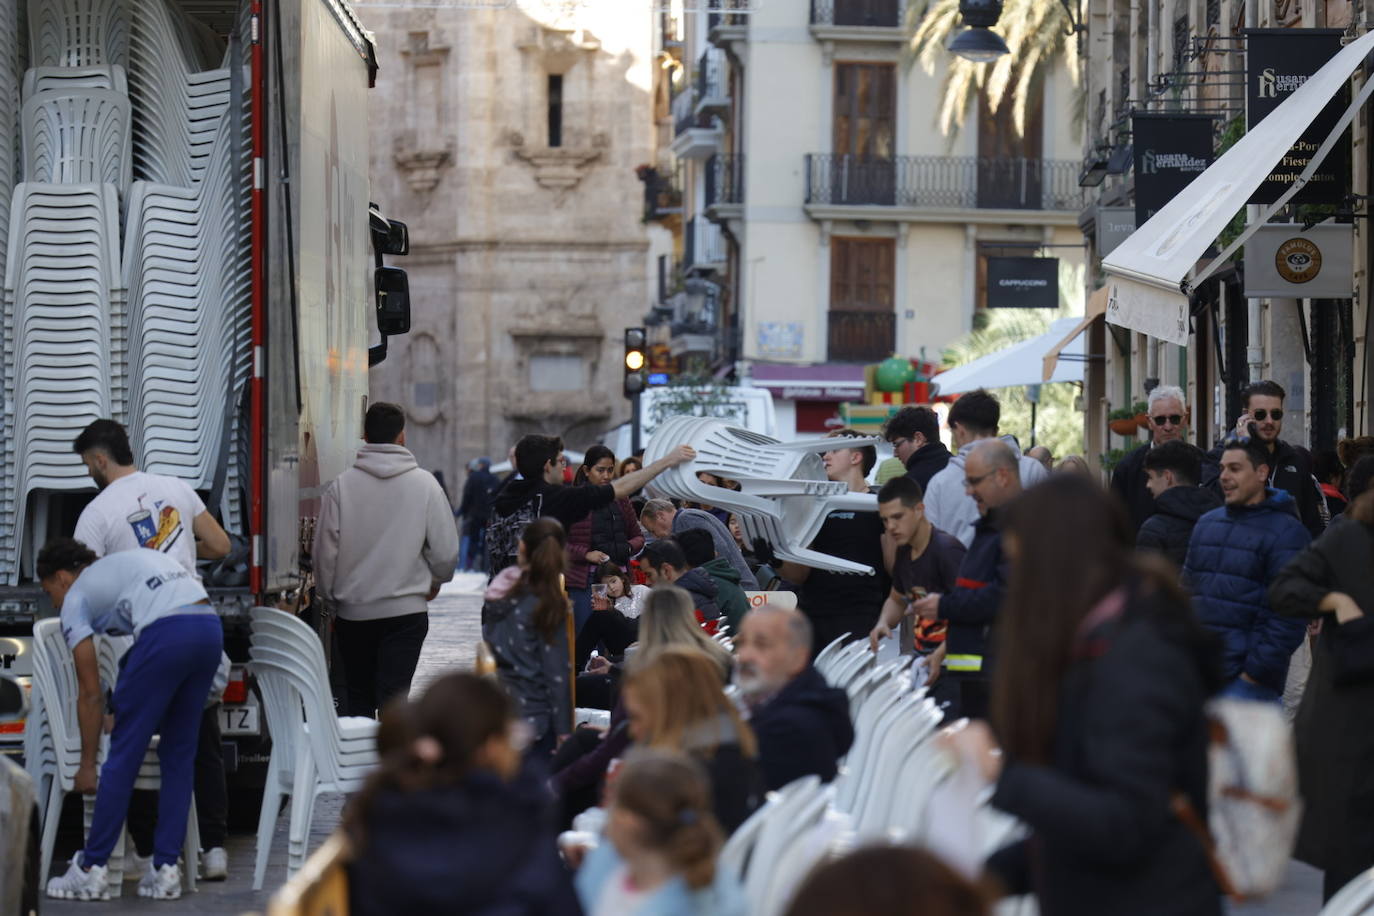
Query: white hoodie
x=950, y=508
x=385, y=535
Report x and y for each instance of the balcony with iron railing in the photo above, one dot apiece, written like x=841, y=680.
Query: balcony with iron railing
x=861, y=335
x=923, y=183
x=712, y=82
x=662, y=193
x=696, y=135
x=724, y=182
x=703, y=246
x=671, y=34
x=881, y=20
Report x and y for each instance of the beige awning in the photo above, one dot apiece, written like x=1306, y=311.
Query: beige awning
x=1097, y=307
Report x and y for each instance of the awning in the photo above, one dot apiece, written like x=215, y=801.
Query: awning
x=1147, y=275
x=833, y=382
x=1097, y=306
x=1020, y=364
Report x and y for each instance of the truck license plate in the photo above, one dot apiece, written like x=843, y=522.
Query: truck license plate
x=238, y=720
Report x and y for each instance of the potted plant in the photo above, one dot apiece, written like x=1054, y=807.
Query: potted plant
x=1112, y=458
x=1142, y=414
x=1122, y=421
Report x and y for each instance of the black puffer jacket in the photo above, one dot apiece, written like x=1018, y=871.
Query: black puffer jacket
x=1129, y=734
x=703, y=590
x=927, y=461
x=1176, y=512
x=803, y=730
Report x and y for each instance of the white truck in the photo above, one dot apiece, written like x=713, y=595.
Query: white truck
x=188, y=246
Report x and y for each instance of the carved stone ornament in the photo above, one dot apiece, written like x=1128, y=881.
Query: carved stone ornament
x=422, y=167
x=558, y=50
x=558, y=168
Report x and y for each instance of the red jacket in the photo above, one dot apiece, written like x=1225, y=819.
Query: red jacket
x=580, y=542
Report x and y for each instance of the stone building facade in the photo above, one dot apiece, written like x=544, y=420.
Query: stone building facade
x=508, y=140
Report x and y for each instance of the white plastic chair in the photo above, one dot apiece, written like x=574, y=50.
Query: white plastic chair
x=775, y=833
x=825, y=658
x=314, y=752
x=734, y=855
x=1355, y=899
x=58, y=747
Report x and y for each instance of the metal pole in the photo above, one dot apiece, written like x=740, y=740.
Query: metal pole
x=1033, y=405
x=635, y=444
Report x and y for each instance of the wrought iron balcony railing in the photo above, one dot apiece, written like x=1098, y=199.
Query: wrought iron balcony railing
x=964, y=182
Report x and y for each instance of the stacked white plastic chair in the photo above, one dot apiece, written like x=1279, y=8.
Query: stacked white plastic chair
x=314, y=751
x=1355, y=899
x=881, y=794
x=784, y=496
x=52, y=745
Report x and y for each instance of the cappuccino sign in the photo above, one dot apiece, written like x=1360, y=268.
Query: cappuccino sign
x=1283, y=260
x=1170, y=151
x=1277, y=63
x=1023, y=283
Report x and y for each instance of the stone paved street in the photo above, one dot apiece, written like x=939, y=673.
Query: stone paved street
x=455, y=627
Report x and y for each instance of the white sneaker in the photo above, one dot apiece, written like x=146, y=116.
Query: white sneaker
x=81, y=883
x=136, y=866
x=214, y=865
x=161, y=883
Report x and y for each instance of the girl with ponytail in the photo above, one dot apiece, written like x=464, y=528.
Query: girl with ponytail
x=658, y=855
x=525, y=624
x=450, y=821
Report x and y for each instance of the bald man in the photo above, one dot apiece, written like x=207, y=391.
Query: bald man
x=802, y=723
x=992, y=478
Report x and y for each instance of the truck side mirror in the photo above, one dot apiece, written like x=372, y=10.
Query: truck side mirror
x=14, y=703
x=393, y=301
x=397, y=238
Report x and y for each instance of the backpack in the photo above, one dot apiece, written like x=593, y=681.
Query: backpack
x=503, y=533
x=1254, y=808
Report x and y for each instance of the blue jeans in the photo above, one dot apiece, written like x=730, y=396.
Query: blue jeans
x=1241, y=689
x=162, y=688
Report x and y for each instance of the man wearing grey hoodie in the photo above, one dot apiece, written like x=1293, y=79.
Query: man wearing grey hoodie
x=384, y=543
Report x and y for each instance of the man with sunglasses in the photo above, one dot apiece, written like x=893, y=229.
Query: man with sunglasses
x=1290, y=467
x=1129, y=480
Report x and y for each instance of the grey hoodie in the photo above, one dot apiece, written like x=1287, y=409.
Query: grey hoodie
x=384, y=537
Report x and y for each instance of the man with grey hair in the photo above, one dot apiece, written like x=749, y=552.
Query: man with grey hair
x=1167, y=422
x=992, y=478
x=802, y=723
x=664, y=520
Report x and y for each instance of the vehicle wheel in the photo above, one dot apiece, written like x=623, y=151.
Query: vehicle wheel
x=32, y=893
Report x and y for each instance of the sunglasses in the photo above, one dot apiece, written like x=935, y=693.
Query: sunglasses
x=1262, y=413
x=1236, y=442
x=1172, y=419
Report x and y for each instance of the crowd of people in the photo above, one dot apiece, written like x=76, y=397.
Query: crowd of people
x=1037, y=602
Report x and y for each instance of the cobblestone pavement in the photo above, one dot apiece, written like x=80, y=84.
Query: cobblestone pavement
x=455, y=626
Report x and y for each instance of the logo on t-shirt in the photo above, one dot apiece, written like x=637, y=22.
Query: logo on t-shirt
x=156, y=533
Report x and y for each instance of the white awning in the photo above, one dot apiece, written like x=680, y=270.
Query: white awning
x=1020, y=364
x=1146, y=274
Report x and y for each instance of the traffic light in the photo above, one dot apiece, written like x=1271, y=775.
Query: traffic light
x=636, y=357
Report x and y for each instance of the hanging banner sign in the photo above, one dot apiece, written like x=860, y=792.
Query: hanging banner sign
x=1283, y=260
x=1170, y=151
x=1023, y=283
x=1114, y=226
x=1277, y=62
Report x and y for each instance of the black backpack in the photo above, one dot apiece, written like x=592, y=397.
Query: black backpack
x=504, y=531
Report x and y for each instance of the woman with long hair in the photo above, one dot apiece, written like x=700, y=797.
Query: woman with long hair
x=1330, y=582
x=450, y=821
x=525, y=622
x=658, y=855
x=1097, y=699
x=675, y=702
x=610, y=534
x=668, y=621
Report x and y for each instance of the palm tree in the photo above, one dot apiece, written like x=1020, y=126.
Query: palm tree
x=1036, y=33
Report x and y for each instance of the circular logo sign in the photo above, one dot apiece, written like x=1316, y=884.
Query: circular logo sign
x=1298, y=260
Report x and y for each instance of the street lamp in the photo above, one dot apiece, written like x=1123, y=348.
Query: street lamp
x=979, y=43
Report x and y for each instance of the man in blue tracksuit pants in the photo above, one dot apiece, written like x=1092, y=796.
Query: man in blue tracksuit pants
x=163, y=683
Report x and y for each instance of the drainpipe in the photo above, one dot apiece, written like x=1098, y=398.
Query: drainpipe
x=1254, y=348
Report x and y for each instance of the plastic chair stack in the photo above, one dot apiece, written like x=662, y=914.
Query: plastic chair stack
x=1355, y=899
x=784, y=495
x=52, y=745
x=314, y=751
x=881, y=794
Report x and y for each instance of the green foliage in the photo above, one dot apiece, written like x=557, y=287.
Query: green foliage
x=690, y=396
x=1113, y=457
x=1059, y=424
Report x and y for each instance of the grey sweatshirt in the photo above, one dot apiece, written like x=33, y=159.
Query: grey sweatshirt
x=385, y=535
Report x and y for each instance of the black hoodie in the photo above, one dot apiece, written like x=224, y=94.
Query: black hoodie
x=703, y=589
x=803, y=730
x=1177, y=510
x=927, y=461
x=484, y=847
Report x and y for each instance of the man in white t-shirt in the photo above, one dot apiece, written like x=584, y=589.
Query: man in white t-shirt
x=135, y=509
x=163, y=682
x=138, y=510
